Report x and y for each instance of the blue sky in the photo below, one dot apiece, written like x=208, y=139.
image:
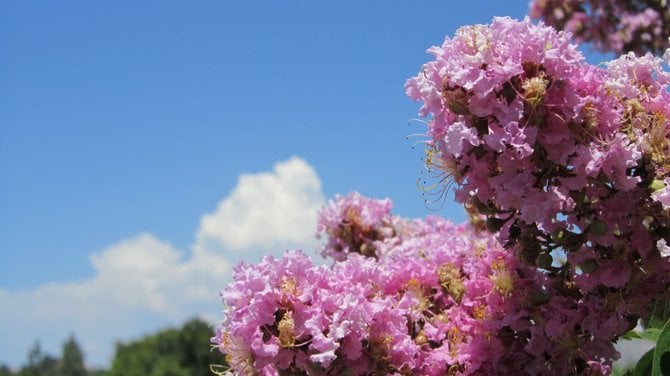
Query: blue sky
x=124, y=117
x=138, y=139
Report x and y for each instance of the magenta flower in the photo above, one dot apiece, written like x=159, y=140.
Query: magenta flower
x=564, y=168
x=559, y=157
x=354, y=224
x=618, y=26
x=435, y=298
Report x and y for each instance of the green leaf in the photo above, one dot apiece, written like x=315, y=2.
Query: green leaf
x=660, y=313
x=661, y=362
x=665, y=363
x=644, y=365
x=632, y=334
x=650, y=334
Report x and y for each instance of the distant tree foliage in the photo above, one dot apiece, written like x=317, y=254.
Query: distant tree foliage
x=171, y=352
x=185, y=351
x=39, y=363
x=72, y=361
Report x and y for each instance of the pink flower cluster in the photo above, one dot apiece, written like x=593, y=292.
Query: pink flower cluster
x=437, y=299
x=568, y=161
x=567, y=165
x=354, y=224
x=611, y=25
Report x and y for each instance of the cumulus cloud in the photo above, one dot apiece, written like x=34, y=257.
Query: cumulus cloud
x=631, y=351
x=144, y=283
x=269, y=210
x=140, y=283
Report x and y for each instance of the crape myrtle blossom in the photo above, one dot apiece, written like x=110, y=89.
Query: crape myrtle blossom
x=434, y=299
x=561, y=157
x=567, y=165
x=354, y=223
x=618, y=26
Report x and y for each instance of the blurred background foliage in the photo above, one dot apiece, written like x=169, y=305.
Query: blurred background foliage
x=183, y=351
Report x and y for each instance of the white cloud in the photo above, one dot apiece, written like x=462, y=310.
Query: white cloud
x=143, y=283
x=631, y=351
x=268, y=210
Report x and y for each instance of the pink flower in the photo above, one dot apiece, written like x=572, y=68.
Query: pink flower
x=435, y=298
x=617, y=26
x=354, y=224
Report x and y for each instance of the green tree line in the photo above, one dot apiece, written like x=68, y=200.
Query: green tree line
x=183, y=351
